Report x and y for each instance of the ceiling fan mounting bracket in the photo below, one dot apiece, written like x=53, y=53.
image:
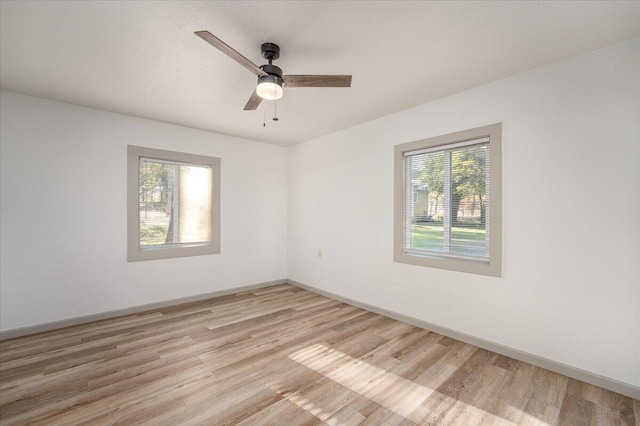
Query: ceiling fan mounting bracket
x=270, y=51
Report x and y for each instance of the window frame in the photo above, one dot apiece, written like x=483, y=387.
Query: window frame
x=492, y=267
x=134, y=252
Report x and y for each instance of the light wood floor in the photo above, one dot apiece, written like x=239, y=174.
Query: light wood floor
x=281, y=355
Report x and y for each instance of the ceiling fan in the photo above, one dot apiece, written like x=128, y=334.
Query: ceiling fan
x=270, y=77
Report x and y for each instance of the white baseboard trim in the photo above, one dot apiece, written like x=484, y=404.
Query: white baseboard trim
x=39, y=328
x=549, y=364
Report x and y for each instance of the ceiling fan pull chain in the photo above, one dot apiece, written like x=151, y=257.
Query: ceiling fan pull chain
x=275, y=111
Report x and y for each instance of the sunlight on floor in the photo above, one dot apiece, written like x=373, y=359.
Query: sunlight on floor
x=403, y=397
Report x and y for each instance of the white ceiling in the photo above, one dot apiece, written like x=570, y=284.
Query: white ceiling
x=142, y=58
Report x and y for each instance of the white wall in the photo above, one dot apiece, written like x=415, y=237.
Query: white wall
x=571, y=154
x=63, y=208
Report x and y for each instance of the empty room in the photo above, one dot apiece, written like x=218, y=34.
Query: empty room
x=320, y=212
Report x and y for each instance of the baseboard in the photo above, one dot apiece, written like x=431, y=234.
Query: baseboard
x=54, y=325
x=558, y=367
x=549, y=364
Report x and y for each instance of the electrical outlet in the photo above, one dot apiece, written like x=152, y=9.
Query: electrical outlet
x=319, y=254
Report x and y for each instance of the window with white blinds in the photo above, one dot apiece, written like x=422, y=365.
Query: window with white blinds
x=448, y=192
x=447, y=210
x=173, y=204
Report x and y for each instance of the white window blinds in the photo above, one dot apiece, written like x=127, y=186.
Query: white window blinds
x=174, y=203
x=447, y=198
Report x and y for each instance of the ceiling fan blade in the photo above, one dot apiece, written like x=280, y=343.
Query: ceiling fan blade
x=253, y=103
x=229, y=51
x=317, y=80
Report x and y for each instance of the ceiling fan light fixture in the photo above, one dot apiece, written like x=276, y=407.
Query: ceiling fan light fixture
x=269, y=87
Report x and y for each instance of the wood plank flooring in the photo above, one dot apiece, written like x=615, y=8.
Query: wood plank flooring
x=281, y=355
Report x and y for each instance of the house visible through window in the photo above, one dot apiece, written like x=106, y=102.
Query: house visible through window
x=448, y=202
x=176, y=207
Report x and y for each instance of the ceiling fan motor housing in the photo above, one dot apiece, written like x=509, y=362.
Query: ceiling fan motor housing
x=274, y=77
x=272, y=70
x=270, y=85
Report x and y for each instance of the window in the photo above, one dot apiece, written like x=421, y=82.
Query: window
x=173, y=204
x=448, y=211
